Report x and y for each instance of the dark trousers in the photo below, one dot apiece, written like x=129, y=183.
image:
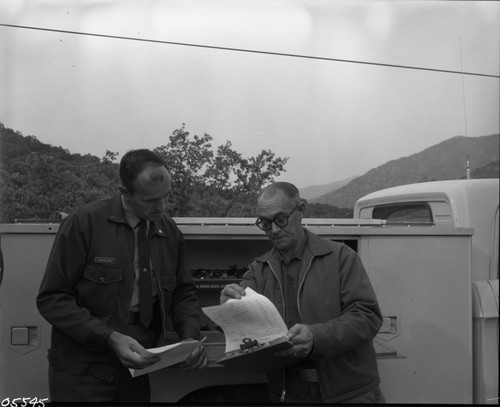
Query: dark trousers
x=66, y=387
x=307, y=393
x=301, y=391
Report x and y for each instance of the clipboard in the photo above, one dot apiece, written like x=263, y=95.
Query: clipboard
x=254, y=330
x=257, y=357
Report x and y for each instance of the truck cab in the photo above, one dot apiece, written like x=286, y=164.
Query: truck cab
x=469, y=203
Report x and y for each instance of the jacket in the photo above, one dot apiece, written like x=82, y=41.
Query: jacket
x=87, y=287
x=337, y=301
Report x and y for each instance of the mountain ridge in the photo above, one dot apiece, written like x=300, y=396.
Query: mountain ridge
x=314, y=191
x=445, y=160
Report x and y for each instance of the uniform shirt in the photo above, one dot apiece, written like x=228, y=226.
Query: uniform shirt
x=290, y=269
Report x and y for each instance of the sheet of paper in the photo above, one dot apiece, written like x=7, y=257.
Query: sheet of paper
x=254, y=316
x=170, y=355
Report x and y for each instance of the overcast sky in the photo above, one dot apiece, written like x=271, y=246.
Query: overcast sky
x=332, y=119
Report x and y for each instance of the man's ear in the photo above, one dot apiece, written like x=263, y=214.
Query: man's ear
x=302, y=207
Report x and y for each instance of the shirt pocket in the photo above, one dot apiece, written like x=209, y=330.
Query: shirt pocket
x=99, y=288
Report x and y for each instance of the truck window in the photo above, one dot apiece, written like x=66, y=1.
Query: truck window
x=404, y=213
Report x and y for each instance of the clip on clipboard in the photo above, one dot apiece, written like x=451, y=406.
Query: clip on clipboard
x=258, y=357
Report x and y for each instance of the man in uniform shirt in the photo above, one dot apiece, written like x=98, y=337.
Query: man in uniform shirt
x=115, y=281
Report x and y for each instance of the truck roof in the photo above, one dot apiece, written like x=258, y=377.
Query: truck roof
x=466, y=197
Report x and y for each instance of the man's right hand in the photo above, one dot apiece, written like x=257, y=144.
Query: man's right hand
x=231, y=291
x=130, y=352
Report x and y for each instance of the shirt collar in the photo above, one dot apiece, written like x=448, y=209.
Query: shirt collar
x=299, y=250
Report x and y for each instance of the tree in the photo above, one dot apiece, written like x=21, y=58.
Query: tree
x=187, y=161
x=109, y=157
x=220, y=184
x=40, y=181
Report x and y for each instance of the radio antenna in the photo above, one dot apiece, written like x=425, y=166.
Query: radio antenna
x=463, y=87
x=465, y=110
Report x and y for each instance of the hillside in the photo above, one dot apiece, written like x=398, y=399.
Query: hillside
x=15, y=147
x=38, y=180
x=491, y=170
x=446, y=160
x=315, y=191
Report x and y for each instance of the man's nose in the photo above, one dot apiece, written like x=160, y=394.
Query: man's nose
x=275, y=228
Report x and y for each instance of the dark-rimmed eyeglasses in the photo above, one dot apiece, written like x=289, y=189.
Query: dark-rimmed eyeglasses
x=267, y=224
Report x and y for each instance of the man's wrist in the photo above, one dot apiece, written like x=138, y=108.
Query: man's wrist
x=113, y=338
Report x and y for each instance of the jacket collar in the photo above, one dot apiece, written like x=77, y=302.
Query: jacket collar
x=315, y=247
x=115, y=209
x=116, y=213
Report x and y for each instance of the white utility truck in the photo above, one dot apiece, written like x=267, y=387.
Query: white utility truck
x=431, y=252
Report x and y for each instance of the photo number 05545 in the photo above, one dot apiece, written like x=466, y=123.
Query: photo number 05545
x=23, y=402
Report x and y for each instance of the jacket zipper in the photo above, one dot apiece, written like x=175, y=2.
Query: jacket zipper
x=162, y=316
x=301, y=284
x=283, y=391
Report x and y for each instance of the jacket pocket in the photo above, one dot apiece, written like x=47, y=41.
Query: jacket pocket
x=168, y=283
x=98, y=289
x=352, y=357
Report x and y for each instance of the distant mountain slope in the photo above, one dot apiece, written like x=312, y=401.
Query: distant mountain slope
x=490, y=170
x=315, y=191
x=15, y=147
x=446, y=160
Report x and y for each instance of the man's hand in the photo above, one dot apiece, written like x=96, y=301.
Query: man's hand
x=130, y=352
x=302, y=338
x=231, y=291
x=198, y=358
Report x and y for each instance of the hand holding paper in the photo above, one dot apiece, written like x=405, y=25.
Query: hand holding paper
x=197, y=359
x=169, y=355
x=302, y=339
x=231, y=291
x=130, y=352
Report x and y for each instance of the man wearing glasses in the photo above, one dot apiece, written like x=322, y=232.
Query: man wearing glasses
x=325, y=297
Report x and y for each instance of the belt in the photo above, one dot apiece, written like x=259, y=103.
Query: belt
x=134, y=318
x=305, y=375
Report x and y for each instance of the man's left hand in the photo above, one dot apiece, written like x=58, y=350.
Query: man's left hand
x=198, y=359
x=302, y=338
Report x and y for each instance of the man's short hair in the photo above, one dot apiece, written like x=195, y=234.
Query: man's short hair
x=134, y=162
x=287, y=188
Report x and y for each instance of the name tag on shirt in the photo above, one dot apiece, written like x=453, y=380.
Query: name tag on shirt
x=105, y=260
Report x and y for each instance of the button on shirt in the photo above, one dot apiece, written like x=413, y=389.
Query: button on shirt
x=133, y=220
